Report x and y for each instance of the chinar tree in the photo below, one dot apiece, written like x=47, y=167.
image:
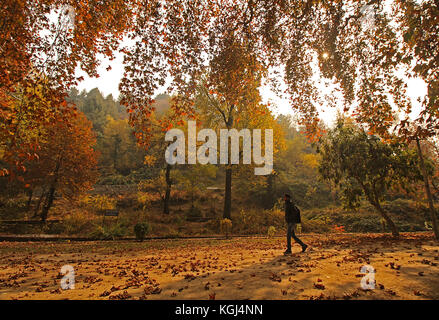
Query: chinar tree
x=362, y=164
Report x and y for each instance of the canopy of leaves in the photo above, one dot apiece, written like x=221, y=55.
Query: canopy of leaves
x=362, y=164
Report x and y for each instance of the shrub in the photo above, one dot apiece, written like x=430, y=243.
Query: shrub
x=97, y=203
x=254, y=221
x=383, y=224
x=145, y=199
x=141, y=229
x=177, y=220
x=12, y=208
x=279, y=204
x=226, y=226
x=113, y=232
x=194, y=212
x=79, y=222
x=365, y=225
x=315, y=225
x=56, y=228
x=172, y=233
x=116, y=179
x=214, y=225
x=247, y=222
x=407, y=227
x=275, y=217
x=338, y=229
x=428, y=225
x=125, y=202
x=85, y=200
x=271, y=231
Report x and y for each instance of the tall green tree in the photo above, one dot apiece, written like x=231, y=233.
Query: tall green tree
x=215, y=111
x=363, y=165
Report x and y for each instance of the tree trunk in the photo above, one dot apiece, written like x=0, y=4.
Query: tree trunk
x=372, y=196
x=227, y=213
x=270, y=192
x=168, y=189
x=51, y=194
x=386, y=217
x=29, y=200
x=435, y=189
x=428, y=191
x=49, y=202
x=42, y=196
x=228, y=194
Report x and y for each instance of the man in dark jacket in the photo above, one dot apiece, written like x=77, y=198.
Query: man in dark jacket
x=292, y=217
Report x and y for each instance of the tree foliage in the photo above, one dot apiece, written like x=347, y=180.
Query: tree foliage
x=362, y=164
x=41, y=45
x=67, y=162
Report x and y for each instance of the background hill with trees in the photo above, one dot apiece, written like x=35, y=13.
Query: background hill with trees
x=189, y=199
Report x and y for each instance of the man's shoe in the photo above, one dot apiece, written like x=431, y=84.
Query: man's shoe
x=287, y=252
x=304, y=248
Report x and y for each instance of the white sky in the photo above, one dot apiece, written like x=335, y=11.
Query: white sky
x=108, y=83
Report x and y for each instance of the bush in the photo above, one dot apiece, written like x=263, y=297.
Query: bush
x=97, y=203
x=172, y=233
x=116, y=179
x=315, y=225
x=79, y=222
x=13, y=208
x=271, y=231
x=141, y=229
x=226, y=226
x=428, y=225
x=177, y=220
x=127, y=202
x=365, y=225
x=275, y=218
x=113, y=232
x=338, y=229
x=406, y=214
x=194, y=212
x=56, y=228
x=254, y=221
x=406, y=227
x=214, y=225
x=145, y=199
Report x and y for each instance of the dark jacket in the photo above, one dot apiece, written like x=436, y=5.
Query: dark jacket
x=292, y=213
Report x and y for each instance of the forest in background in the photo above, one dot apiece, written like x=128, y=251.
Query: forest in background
x=187, y=199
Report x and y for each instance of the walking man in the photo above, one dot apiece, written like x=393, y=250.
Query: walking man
x=292, y=217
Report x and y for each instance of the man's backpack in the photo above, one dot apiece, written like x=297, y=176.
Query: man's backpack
x=296, y=214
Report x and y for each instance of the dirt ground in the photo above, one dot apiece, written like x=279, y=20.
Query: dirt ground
x=240, y=268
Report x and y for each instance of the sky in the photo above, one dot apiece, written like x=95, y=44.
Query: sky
x=108, y=83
